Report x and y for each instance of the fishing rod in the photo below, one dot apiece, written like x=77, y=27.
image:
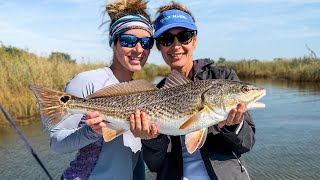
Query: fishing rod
x=25, y=141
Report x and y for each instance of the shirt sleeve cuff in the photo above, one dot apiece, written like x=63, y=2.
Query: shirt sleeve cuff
x=236, y=128
x=91, y=133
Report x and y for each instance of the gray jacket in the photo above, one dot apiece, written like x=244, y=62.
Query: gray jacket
x=222, y=151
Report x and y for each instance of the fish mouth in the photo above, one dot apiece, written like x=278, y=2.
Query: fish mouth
x=254, y=104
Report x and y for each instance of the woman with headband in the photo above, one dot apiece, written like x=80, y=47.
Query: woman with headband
x=130, y=34
x=221, y=156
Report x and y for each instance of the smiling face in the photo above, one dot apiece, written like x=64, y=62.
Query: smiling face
x=131, y=58
x=178, y=56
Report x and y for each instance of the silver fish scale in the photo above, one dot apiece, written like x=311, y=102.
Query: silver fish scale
x=163, y=104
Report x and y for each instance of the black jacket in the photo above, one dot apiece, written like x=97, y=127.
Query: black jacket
x=222, y=151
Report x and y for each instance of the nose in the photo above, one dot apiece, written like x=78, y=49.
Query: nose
x=176, y=42
x=138, y=47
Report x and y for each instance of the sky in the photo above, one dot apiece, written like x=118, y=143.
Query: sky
x=235, y=30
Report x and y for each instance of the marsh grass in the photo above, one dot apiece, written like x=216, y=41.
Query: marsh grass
x=298, y=69
x=20, y=68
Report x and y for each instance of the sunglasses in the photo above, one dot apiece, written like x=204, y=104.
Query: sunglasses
x=128, y=40
x=184, y=37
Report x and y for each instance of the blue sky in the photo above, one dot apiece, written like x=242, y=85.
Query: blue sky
x=246, y=29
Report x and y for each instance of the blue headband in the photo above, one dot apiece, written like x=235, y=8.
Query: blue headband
x=126, y=23
x=172, y=19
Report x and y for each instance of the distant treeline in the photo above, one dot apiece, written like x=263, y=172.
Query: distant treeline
x=20, y=68
x=305, y=69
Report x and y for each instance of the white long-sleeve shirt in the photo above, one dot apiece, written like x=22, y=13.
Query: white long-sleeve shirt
x=95, y=159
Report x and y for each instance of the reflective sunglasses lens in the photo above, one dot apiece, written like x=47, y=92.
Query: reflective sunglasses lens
x=127, y=40
x=166, y=39
x=147, y=42
x=185, y=37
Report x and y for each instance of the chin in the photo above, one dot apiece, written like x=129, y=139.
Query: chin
x=135, y=68
x=177, y=64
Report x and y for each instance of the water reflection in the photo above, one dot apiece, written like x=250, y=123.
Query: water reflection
x=287, y=132
x=307, y=87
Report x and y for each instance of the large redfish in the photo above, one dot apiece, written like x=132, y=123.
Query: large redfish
x=181, y=107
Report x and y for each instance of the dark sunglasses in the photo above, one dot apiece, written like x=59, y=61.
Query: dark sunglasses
x=128, y=40
x=184, y=37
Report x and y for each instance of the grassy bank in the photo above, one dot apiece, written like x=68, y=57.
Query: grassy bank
x=298, y=69
x=19, y=69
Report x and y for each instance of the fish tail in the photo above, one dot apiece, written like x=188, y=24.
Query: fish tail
x=52, y=105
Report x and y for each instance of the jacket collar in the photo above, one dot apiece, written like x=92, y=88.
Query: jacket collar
x=200, y=66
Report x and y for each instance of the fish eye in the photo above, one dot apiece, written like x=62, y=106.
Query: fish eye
x=65, y=99
x=245, y=89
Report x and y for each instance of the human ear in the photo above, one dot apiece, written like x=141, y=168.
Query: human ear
x=114, y=47
x=158, y=46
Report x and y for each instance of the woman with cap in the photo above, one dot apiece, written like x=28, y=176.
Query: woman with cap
x=131, y=39
x=221, y=157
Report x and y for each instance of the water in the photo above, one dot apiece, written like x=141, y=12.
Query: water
x=287, y=133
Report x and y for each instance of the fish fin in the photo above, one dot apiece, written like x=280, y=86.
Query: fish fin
x=52, y=105
x=123, y=89
x=110, y=132
x=256, y=105
x=195, y=140
x=204, y=137
x=175, y=79
x=196, y=117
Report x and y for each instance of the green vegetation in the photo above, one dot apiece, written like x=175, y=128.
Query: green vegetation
x=150, y=71
x=304, y=69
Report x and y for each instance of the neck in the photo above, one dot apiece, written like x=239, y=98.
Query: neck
x=121, y=73
x=186, y=70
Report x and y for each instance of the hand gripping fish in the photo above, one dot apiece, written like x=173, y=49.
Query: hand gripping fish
x=180, y=107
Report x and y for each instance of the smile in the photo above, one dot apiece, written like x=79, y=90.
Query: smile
x=176, y=55
x=135, y=58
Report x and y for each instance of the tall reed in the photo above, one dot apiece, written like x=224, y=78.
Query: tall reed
x=19, y=69
x=298, y=69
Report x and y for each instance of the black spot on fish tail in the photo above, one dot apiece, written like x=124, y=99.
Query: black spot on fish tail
x=65, y=99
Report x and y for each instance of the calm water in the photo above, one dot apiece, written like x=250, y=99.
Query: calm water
x=287, y=135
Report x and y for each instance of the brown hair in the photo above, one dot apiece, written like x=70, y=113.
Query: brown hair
x=174, y=5
x=121, y=8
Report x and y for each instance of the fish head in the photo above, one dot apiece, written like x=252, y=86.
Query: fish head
x=224, y=95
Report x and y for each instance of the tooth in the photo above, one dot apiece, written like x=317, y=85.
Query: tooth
x=176, y=55
x=136, y=58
